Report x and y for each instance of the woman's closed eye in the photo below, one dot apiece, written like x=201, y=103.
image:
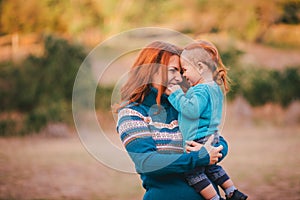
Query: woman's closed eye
x=172, y=70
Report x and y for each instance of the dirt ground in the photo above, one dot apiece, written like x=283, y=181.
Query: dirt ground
x=263, y=162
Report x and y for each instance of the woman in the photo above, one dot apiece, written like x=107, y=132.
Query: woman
x=147, y=124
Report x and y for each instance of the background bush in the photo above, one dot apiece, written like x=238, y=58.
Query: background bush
x=40, y=88
x=260, y=85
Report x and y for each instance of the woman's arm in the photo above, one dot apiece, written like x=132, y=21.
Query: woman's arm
x=224, y=151
x=194, y=146
x=147, y=160
x=141, y=147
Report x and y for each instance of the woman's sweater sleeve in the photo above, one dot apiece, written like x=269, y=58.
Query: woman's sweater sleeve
x=224, y=151
x=141, y=147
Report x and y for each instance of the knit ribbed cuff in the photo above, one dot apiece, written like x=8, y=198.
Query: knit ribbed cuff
x=203, y=157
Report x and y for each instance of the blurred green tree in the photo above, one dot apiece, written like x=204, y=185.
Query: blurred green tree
x=291, y=12
x=41, y=87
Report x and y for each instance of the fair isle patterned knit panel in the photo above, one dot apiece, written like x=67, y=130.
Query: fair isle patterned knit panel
x=132, y=124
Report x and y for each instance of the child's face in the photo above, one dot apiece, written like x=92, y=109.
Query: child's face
x=191, y=73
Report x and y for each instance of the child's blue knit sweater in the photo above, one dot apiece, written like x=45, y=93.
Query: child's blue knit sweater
x=200, y=110
x=154, y=143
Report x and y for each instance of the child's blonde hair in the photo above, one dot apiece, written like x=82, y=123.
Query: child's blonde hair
x=207, y=53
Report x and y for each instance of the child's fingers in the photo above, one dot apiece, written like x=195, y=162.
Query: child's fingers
x=173, y=88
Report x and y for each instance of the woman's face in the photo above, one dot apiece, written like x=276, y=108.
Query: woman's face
x=174, y=76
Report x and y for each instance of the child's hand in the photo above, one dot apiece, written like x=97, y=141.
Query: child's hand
x=173, y=88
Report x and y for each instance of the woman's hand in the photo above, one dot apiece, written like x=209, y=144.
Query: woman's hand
x=214, y=152
x=192, y=146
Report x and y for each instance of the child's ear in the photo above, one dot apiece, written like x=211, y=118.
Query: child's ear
x=200, y=65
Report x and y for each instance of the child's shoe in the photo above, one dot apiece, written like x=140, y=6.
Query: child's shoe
x=237, y=195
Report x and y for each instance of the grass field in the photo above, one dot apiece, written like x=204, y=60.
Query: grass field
x=264, y=162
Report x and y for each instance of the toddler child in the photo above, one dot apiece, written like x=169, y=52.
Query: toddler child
x=200, y=113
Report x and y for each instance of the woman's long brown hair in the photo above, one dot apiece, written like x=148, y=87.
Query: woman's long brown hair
x=152, y=58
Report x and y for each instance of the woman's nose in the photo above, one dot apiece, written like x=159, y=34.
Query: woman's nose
x=178, y=77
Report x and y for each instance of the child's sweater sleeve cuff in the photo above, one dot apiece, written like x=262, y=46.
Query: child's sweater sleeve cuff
x=174, y=96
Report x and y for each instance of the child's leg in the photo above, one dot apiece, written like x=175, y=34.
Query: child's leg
x=218, y=175
x=199, y=181
x=209, y=193
x=228, y=187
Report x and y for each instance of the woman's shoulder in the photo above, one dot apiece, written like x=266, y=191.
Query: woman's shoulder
x=133, y=109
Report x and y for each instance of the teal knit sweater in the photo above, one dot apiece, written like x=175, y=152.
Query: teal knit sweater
x=154, y=143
